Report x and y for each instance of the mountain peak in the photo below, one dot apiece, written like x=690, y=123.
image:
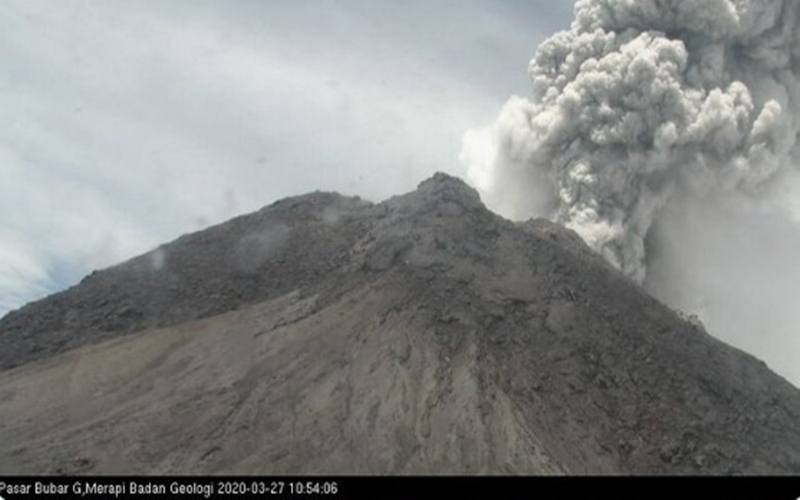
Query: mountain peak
x=441, y=182
x=447, y=188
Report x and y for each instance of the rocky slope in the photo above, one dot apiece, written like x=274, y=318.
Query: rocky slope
x=423, y=334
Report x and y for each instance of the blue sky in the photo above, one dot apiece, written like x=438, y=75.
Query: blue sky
x=126, y=124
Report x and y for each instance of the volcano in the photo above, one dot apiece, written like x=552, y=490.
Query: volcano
x=422, y=334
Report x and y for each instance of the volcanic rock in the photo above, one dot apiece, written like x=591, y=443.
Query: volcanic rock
x=423, y=334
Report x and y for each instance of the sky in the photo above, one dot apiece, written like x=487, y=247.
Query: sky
x=127, y=124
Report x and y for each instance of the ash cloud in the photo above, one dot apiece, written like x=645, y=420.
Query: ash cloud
x=665, y=133
x=639, y=100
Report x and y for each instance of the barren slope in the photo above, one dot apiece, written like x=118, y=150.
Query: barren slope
x=421, y=334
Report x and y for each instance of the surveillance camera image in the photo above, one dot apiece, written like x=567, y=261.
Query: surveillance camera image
x=340, y=238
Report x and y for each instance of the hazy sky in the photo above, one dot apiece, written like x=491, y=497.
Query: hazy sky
x=125, y=124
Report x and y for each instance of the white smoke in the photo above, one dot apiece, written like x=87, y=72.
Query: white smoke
x=157, y=258
x=642, y=102
x=256, y=248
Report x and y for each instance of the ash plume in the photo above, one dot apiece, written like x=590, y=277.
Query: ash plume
x=640, y=103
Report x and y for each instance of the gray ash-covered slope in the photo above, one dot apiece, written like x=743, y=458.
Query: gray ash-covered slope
x=292, y=243
x=423, y=334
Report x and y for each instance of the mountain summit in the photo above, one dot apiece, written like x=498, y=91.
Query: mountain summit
x=422, y=334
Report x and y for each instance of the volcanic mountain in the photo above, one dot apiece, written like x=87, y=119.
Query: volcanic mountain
x=423, y=334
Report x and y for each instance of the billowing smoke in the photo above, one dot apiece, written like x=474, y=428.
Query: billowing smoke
x=640, y=103
x=665, y=132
